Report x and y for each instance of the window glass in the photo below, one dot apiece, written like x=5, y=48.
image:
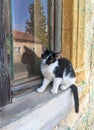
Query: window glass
x=30, y=32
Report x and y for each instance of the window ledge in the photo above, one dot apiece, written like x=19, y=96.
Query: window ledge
x=34, y=111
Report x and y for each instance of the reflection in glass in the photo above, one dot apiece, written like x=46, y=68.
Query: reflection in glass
x=30, y=32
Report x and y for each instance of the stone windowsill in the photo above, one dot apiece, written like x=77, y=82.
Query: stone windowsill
x=34, y=111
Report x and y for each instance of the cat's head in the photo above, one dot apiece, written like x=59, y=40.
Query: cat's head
x=48, y=57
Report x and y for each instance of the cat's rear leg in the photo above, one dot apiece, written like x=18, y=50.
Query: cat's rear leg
x=44, y=85
x=66, y=83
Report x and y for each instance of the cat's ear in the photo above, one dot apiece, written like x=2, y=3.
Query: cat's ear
x=44, y=49
x=58, y=55
x=28, y=51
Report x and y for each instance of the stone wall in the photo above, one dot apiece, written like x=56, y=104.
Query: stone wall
x=85, y=119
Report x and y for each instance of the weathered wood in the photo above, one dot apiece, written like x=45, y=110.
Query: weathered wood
x=73, y=34
x=81, y=30
x=67, y=28
x=4, y=68
x=81, y=42
x=51, y=23
x=58, y=25
x=55, y=24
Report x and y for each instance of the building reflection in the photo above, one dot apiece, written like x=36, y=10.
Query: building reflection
x=27, y=52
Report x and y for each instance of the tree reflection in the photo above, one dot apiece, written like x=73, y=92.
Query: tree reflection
x=37, y=24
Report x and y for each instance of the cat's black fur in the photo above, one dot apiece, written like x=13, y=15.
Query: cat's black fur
x=59, y=71
x=64, y=64
x=32, y=62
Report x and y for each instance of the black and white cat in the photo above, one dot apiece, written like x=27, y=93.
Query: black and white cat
x=60, y=72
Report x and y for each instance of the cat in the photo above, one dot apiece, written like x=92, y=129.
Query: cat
x=59, y=71
x=32, y=62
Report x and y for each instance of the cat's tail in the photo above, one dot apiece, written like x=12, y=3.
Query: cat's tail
x=76, y=97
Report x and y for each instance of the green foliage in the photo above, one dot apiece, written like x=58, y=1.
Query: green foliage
x=30, y=23
x=36, y=25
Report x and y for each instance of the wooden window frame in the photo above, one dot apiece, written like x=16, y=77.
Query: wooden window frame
x=6, y=82
x=55, y=24
x=53, y=40
x=73, y=30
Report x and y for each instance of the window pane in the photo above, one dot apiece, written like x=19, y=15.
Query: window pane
x=30, y=32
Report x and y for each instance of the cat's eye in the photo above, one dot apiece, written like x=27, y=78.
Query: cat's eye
x=44, y=56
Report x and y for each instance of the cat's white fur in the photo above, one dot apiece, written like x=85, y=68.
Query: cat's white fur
x=63, y=83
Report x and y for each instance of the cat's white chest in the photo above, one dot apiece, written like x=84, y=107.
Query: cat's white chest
x=48, y=70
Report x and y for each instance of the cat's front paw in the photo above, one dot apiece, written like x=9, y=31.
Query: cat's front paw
x=40, y=90
x=53, y=91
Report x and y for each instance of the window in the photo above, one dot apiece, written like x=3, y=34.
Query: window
x=33, y=25
x=25, y=26
x=17, y=50
x=30, y=32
